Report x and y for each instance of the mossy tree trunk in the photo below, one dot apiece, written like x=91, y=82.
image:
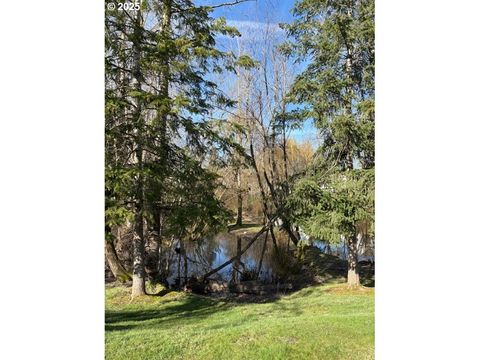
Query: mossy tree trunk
x=114, y=262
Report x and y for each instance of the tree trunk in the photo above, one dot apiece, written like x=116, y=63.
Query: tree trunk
x=237, y=262
x=185, y=264
x=163, y=86
x=179, y=274
x=353, y=278
x=114, y=262
x=161, y=124
x=239, y=199
x=259, y=180
x=138, y=283
x=158, y=245
x=287, y=227
x=259, y=268
x=274, y=239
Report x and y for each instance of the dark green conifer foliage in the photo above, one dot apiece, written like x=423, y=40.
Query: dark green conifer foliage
x=336, y=90
x=158, y=128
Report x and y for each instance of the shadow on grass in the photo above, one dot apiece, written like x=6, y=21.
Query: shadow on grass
x=327, y=268
x=190, y=308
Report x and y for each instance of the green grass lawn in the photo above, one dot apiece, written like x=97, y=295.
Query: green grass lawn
x=322, y=322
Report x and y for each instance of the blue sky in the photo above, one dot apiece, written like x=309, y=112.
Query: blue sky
x=252, y=17
x=255, y=11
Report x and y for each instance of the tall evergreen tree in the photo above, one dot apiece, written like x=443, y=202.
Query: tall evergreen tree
x=158, y=96
x=336, y=90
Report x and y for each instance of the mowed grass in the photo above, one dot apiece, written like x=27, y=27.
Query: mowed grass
x=322, y=322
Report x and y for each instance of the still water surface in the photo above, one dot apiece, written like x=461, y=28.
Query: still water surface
x=209, y=253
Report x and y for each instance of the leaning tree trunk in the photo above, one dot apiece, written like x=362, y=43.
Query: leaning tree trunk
x=259, y=268
x=113, y=261
x=353, y=278
x=236, y=276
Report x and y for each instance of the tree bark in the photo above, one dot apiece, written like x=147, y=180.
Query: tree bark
x=236, y=264
x=158, y=245
x=138, y=283
x=179, y=274
x=260, y=184
x=239, y=199
x=353, y=278
x=185, y=263
x=161, y=125
x=288, y=229
x=259, y=268
x=164, y=83
x=274, y=239
x=114, y=262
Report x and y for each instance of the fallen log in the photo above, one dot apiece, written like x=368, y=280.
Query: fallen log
x=256, y=288
x=208, y=287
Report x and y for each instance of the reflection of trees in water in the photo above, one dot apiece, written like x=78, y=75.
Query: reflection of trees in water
x=207, y=253
x=251, y=258
x=200, y=254
x=366, y=248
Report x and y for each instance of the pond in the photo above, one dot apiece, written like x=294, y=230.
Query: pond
x=209, y=253
x=341, y=250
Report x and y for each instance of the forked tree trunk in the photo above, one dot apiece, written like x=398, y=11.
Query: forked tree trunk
x=353, y=278
x=114, y=262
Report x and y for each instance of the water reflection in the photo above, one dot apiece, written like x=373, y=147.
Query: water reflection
x=366, y=252
x=209, y=253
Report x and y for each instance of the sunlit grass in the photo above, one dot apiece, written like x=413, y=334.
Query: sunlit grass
x=248, y=228
x=328, y=322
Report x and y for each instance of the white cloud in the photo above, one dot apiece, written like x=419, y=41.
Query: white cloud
x=255, y=30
